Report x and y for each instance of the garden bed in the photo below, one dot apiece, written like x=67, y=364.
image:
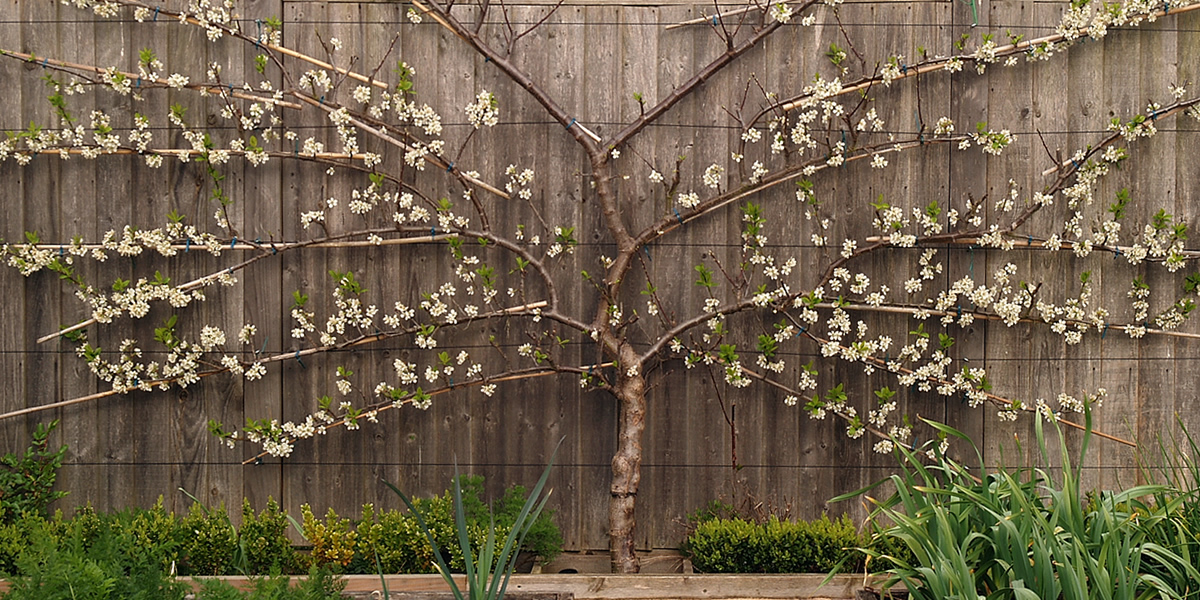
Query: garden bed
x=620, y=587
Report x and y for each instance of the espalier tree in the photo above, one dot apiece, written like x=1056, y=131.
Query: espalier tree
x=749, y=309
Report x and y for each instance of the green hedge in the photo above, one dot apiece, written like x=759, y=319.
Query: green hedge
x=394, y=539
x=205, y=541
x=734, y=545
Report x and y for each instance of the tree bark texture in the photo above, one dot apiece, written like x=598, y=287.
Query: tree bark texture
x=627, y=463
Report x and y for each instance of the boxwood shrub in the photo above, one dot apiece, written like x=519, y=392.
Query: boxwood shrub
x=735, y=545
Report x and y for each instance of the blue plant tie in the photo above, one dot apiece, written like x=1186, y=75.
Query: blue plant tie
x=187, y=246
x=677, y=216
x=571, y=124
x=60, y=251
x=1154, y=115
x=903, y=69
x=1166, y=8
x=298, y=359
x=1116, y=252
x=139, y=81
x=432, y=232
x=321, y=100
x=1031, y=241
x=960, y=311
x=156, y=13
x=802, y=330
x=233, y=243
x=264, y=346
x=487, y=59
x=450, y=168
x=646, y=249
x=714, y=20
x=295, y=147
x=258, y=36
x=1104, y=331
x=274, y=250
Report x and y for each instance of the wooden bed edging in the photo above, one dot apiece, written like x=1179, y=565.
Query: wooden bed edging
x=624, y=587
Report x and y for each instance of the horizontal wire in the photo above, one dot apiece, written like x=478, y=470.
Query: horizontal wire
x=968, y=359
x=956, y=248
x=250, y=25
x=656, y=125
x=557, y=465
x=1006, y=359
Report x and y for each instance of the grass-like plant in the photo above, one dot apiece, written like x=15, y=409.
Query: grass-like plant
x=1023, y=533
x=488, y=572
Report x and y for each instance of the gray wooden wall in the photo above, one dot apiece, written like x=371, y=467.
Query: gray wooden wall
x=592, y=57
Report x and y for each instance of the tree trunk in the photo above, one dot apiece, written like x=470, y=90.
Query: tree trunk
x=626, y=464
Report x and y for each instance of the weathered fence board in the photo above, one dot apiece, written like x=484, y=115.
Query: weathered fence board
x=703, y=441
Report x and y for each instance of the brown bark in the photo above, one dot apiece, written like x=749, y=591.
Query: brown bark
x=626, y=465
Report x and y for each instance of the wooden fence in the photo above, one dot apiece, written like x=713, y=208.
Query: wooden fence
x=593, y=57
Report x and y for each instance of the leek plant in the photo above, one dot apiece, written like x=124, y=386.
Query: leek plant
x=488, y=572
x=1024, y=534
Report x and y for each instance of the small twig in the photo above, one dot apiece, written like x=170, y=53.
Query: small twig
x=205, y=87
x=728, y=13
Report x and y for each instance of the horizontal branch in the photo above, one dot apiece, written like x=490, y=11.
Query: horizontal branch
x=938, y=64
x=205, y=87
x=1019, y=241
x=259, y=43
x=266, y=250
x=298, y=354
x=667, y=224
x=523, y=374
x=383, y=135
x=995, y=399
x=986, y=316
x=441, y=237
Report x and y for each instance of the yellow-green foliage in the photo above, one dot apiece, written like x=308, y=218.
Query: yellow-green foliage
x=395, y=539
x=332, y=539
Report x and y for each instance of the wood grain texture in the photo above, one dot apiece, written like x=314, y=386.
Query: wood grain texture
x=704, y=440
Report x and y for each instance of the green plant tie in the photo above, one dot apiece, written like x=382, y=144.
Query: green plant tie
x=974, y=12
